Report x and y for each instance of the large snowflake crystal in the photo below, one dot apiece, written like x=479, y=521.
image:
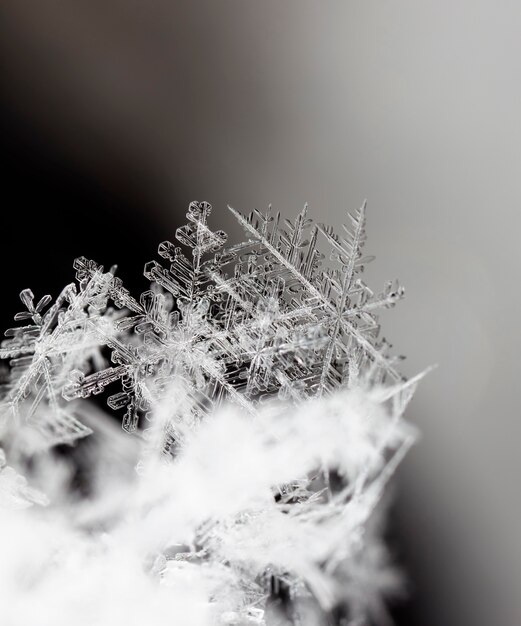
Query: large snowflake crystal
x=281, y=327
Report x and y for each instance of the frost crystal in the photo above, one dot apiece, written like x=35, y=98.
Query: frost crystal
x=268, y=414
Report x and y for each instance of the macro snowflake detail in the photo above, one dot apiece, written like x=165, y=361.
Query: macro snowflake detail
x=266, y=417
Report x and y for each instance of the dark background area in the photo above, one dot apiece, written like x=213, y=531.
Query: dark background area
x=115, y=115
x=56, y=208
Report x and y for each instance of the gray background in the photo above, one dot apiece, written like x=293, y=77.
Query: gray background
x=414, y=105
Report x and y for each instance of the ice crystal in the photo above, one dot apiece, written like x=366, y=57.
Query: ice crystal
x=268, y=411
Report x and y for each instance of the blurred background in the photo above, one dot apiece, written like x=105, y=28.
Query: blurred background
x=115, y=114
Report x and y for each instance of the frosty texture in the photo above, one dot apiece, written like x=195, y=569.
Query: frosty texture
x=268, y=410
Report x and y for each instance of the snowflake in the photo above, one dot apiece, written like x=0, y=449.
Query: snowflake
x=283, y=316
